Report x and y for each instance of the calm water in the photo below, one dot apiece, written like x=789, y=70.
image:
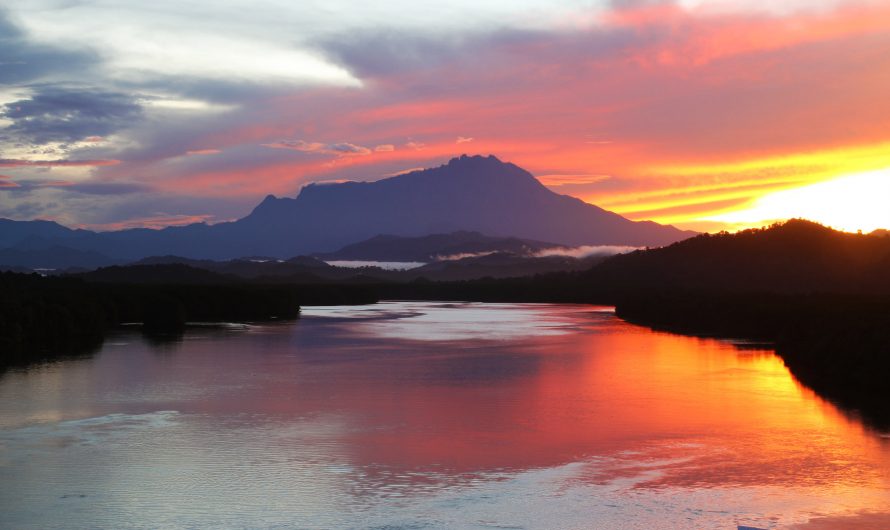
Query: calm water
x=426, y=415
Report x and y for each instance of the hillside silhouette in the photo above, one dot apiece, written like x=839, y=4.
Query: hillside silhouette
x=795, y=257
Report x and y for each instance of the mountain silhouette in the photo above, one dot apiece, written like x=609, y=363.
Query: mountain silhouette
x=469, y=193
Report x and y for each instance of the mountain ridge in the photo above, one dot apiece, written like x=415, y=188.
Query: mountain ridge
x=469, y=193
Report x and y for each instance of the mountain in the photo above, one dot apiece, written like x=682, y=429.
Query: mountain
x=53, y=257
x=469, y=193
x=14, y=233
x=796, y=257
x=433, y=247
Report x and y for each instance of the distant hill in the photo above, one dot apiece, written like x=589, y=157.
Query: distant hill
x=310, y=270
x=433, y=247
x=499, y=265
x=162, y=274
x=470, y=193
x=797, y=257
x=54, y=257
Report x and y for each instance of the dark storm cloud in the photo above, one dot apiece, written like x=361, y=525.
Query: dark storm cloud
x=55, y=114
x=22, y=61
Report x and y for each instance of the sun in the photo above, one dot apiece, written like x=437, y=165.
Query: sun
x=854, y=202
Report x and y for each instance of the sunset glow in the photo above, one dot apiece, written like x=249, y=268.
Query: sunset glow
x=855, y=202
x=696, y=113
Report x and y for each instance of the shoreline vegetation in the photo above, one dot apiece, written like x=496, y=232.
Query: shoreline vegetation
x=821, y=297
x=42, y=318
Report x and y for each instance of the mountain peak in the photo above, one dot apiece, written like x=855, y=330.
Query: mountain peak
x=465, y=160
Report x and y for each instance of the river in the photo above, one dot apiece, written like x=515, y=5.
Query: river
x=432, y=415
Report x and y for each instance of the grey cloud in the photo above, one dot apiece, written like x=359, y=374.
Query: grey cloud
x=25, y=210
x=387, y=52
x=22, y=61
x=339, y=149
x=108, y=188
x=88, y=187
x=55, y=114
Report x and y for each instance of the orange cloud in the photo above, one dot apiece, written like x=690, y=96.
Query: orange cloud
x=203, y=152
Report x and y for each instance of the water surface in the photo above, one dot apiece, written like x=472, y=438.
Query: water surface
x=432, y=415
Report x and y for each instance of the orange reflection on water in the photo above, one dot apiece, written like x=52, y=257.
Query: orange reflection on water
x=562, y=408
x=731, y=416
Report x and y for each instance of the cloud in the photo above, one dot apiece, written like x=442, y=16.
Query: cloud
x=338, y=149
x=626, y=90
x=586, y=251
x=14, y=162
x=404, y=171
x=572, y=179
x=87, y=187
x=203, y=152
x=23, y=61
x=108, y=188
x=54, y=114
x=463, y=140
x=7, y=182
x=582, y=252
x=373, y=53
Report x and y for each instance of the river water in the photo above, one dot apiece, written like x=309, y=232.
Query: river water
x=432, y=415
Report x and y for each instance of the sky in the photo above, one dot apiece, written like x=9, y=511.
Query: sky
x=706, y=114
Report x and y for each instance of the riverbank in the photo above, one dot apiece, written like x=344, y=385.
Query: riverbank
x=42, y=318
x=837, y=345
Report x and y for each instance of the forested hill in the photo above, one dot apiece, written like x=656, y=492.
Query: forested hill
x=796, y=257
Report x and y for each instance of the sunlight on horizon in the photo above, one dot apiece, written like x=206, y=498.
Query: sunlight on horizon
x=849, y=203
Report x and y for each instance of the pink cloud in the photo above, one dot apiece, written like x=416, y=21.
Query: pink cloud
x=7, y=182
x=203, y=152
